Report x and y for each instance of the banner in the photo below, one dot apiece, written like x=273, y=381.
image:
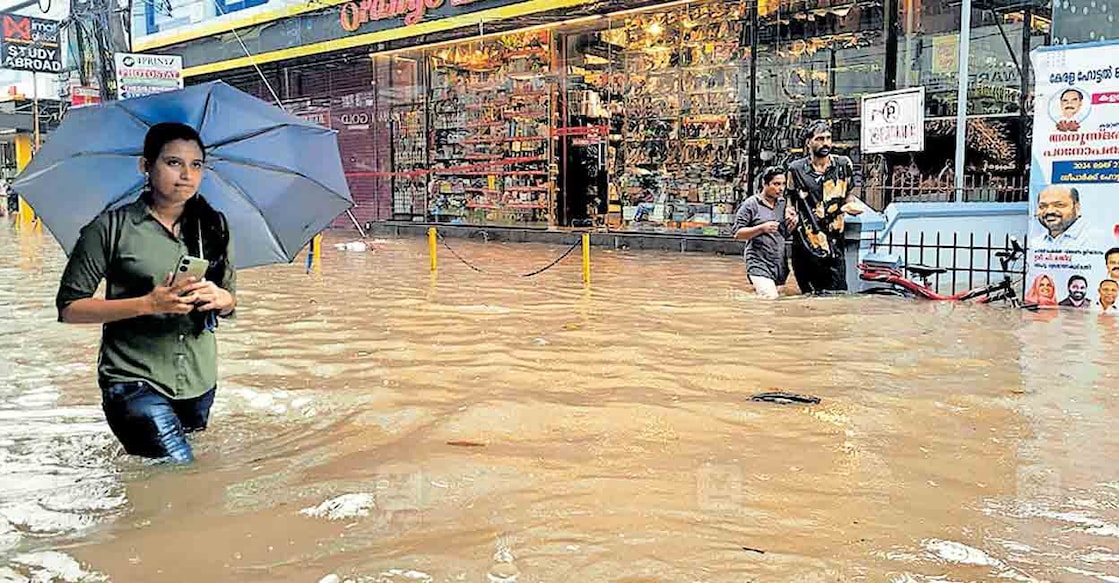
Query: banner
x=29, y=44
x=1073, y=249
x=140, y=75
x=81, y=96
x=894, y=121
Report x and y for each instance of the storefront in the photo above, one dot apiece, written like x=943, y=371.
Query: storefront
x=638, y=119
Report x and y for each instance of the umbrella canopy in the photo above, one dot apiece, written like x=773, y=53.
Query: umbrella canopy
x=277, y=178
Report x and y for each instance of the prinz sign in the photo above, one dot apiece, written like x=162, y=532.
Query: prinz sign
x=29, y=44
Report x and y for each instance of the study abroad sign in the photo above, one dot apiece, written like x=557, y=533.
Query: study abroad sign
x=29, y=44
x=140, y=75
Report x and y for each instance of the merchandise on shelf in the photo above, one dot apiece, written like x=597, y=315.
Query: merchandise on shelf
x=677, y=153
x=409, y=160
x=491, y=140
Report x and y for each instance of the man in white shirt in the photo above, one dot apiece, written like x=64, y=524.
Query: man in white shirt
x=1071, y=102
x=1112, y=260
x=1109, y=292
x=1060, y=226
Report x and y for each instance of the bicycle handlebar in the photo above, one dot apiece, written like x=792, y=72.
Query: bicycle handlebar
x=1006, y=258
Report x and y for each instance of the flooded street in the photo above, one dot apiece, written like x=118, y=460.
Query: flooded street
x=382, y=425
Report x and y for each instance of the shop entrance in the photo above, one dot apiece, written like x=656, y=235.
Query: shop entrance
x=584, y=138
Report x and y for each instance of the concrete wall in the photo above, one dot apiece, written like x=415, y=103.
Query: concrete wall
x=981, y=218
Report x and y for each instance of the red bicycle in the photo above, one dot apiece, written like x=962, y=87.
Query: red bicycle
x=892, y=281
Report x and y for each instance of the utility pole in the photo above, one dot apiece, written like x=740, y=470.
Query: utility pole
x=99, y=35
x=961, y=98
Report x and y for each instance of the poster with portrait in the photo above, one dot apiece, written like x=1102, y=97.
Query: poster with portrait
x=1073, y=247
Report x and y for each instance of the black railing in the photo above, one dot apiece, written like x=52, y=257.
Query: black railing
x=969, y=259
x=931, y=189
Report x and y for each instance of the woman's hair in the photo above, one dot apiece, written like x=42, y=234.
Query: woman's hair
x=771, y=172
x=201, y=227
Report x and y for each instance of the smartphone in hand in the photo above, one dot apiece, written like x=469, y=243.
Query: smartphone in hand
x=189, y=266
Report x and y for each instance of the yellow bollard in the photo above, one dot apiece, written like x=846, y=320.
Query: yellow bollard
x=431, y=248
x=316, y=250
x=23, y=158
x=586, y=259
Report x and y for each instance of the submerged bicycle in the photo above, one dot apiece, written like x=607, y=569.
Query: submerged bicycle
x=891, y=274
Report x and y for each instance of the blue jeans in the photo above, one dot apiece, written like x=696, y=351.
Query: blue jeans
x=149, y=424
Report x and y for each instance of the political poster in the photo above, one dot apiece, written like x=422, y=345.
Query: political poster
x=1073, y=245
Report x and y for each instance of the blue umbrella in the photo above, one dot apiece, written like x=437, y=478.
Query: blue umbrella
x=277, y=178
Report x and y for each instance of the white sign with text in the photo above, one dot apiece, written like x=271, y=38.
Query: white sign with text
x=140, y=75
x=894, y=121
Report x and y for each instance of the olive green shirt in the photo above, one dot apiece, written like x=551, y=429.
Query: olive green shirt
x=164, y=349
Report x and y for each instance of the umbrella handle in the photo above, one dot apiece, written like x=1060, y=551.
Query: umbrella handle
x=360, y=230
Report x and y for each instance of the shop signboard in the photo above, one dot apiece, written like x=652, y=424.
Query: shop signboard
x=1074, y=212
x=356, y=18
x=355, y=14
x=29, y=44
x=894, y=121
x=140, y=75
x=82, y=96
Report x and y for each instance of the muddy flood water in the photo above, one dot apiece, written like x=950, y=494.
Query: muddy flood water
x=375, y=424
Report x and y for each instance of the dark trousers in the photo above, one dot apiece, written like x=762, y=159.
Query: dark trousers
x=152, y=425
x=815, y=275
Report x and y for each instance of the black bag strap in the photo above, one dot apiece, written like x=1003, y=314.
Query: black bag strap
x=116, y=226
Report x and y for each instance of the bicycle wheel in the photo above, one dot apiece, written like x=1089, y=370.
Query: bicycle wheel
x=888, y=291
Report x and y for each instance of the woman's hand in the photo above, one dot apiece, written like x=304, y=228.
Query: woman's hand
x=168, y=299
x=207, y=296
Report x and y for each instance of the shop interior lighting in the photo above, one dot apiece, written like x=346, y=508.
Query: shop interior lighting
x=491, y=35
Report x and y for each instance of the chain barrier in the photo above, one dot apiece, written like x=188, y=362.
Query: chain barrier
x=554, y=263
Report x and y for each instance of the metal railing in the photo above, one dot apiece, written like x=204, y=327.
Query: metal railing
x=969, y=259
x=928, y=189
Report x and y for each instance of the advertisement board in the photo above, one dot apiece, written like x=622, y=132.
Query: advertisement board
x=1073, y=249
x=29, y=44
x=140, y=75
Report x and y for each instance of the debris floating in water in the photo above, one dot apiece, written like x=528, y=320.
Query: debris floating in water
x=358, y=246
x=466, y=443
x=342, y=507
x=784, y=398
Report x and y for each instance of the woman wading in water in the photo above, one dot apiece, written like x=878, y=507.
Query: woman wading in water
x=158, y=362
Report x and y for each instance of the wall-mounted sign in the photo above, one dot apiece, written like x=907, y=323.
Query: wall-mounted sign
x=81, y=96
x=29, y=44
x=355, y=14
x=140, y=75
x=894, y=121
x=312, y=32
